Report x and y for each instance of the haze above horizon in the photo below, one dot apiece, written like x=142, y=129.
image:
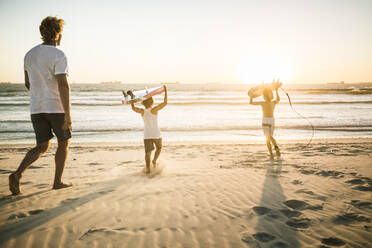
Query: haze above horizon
x=197, y=41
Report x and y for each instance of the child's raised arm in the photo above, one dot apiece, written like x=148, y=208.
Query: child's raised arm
x=137, y=110
x=277, y=100
x=163, y=104
x=253, y=103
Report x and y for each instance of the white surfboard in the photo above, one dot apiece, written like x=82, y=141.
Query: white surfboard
x=133, y=96
x=258, y=90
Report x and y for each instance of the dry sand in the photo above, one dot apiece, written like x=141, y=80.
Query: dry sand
x=208, y=195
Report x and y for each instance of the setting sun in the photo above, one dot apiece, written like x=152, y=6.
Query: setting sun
x=263, y=68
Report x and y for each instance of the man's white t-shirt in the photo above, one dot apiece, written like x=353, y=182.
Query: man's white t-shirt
x=42, y=63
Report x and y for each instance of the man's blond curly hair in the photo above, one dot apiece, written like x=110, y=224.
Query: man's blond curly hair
x=50, y=28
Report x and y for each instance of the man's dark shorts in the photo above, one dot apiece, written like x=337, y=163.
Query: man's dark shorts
x=44, y=123
x=149, y=144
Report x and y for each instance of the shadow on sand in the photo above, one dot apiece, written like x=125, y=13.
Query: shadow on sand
x=271, y=228
x=13, y=230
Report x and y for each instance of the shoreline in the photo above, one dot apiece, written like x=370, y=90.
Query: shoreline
x=190, y=143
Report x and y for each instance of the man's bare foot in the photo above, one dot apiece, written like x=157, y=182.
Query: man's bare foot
x=154, y=163
x=271, y=157
x=14, y=184
x=147, y=170
x=61, y=186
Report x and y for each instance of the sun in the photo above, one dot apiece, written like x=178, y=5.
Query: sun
x=263, y=68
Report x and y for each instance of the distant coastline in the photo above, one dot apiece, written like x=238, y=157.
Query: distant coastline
x=111, y=82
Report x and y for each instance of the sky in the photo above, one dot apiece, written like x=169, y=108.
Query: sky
x=196, y=41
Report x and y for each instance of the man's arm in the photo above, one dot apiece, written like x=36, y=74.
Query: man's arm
x=137, y=110
x=163, y=104
x=64, y=94
x=277, y=100
x=27, y=81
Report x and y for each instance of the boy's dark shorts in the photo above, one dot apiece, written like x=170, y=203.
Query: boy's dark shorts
x=44, y=123
x=149, y=144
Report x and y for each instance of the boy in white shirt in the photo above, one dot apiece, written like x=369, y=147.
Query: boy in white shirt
x=151, y=134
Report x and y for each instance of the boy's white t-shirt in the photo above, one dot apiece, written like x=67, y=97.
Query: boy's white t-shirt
x=42, y=63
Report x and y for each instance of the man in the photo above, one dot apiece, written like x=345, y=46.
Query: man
x=46, y=71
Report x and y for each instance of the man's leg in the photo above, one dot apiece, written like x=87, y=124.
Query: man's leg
x=31, y=156
x=268, y=140
x=60, y=160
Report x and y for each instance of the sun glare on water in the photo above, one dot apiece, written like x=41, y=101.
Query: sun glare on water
x=263, y=68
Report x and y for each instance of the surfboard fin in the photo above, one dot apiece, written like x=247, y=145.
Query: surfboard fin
x=129, y=92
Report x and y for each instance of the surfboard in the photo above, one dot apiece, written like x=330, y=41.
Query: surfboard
x=133, y=96
x=258, y=90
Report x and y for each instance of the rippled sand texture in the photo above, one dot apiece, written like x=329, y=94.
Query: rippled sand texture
x=207, y=195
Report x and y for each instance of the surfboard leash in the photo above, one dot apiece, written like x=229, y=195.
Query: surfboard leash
x=304, y=117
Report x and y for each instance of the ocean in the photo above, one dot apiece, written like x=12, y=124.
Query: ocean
x=199, y=112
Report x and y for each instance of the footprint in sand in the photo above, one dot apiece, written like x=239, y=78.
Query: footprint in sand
x=261, y=210
x=308, y=172
x=290, y=213
x=248, y=239
x=297, y=182
x=264, y=237
x=333, y=241
x=253, y=240
x=330, y=173
x=361, y=204
x=348, y=218
x=296, y=204
x=36, y=211
x=355, y=181
x=301, y=205
x=299, y=222
x=363, y=188
x=17, y=216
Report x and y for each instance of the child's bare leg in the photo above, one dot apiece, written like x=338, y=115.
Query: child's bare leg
x=156, y=155
x=148, y=161
x=268, y=143
x=275, y=146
